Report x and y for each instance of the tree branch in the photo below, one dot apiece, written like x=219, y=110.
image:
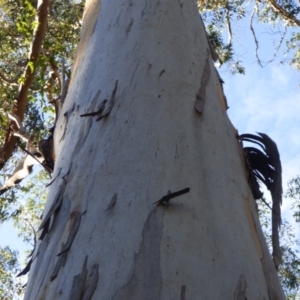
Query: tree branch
x=284, y=13
x=21, y=99
x=21, y=130
x=254, y=35
x=12, y=82
x=259, y=61
x=228, y=24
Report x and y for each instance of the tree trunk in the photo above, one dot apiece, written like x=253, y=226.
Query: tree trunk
x=102, y=235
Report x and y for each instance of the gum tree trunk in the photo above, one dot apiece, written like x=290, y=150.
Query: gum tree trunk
x=164, y=128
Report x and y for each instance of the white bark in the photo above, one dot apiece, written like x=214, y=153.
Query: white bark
x=206, y=244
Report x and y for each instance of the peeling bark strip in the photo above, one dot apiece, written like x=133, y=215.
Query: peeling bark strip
x=32, y=258
x=83, y=287
x=98, y=112
x=66, y=115
x=145, y=283
x=54, y=208
x=200, y=96
x=62, y=255
x=91, y=283
x=21, y=99
x=74, y=225
x=165, y=199
x=26, y=269
x=266, y=166
x=61, y=261
x=112, y=201
x=102, y=106
x=48, y=184
x=78, y=283
x=240, y=292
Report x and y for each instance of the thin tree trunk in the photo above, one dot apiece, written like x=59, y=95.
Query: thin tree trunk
x=167, y=130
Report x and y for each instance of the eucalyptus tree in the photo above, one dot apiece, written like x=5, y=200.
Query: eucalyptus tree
x=107, y=78
x=144, y=122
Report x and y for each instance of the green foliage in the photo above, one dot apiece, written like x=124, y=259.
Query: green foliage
x=10, y=287
x=17, y=21
x=293, y=193
x=24, y=204
x=289, y=270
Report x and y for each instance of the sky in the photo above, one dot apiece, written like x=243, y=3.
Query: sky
x=266, y=100
x=263, y=100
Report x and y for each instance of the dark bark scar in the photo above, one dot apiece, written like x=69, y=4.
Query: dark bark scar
x=200, y=96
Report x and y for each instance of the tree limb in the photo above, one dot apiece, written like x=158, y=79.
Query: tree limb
x=284, y=13
x=21, y=99
x=228, y=24
x=12, y=82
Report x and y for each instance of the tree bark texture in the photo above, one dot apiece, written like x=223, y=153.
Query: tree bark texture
x=167, y=129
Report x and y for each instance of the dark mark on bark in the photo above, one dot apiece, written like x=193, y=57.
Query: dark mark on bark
x=96, y=113
x=165, y=199
x=129, y=26
x=66, y=115
x=78, y=283
x=75, y=223
x=102, y=106
x=182, y=292
x=85, y=128
x=200, y=96
x=112, y=202
x=111, y=103
x=162, y=72
x=95, y=26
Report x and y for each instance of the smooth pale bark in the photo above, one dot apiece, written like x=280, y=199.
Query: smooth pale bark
x=206, y=244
